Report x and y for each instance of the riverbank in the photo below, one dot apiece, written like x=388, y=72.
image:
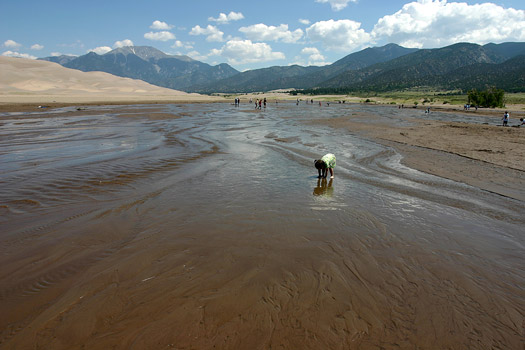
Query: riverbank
x=484, y=155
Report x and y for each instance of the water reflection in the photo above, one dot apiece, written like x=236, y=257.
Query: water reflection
x=324, y=188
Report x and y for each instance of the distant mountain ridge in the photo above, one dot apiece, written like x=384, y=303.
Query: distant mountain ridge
x=391, y=67
x=299, y=77
x=438, y=68
x=151, y=65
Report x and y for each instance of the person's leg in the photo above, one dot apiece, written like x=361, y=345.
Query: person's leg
x=331, y=173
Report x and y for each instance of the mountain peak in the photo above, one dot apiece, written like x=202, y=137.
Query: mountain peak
x=144, y=52
x=147, y=53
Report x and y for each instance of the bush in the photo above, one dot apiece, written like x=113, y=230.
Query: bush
x=491, y=97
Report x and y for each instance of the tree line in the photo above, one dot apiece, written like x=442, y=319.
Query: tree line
x=491, y=98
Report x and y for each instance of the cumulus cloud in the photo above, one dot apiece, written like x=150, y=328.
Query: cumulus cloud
x=245, y=51
x=179, y=44
x=227, y=18
x=197, y=56
x=337, y=5
x=37, y=47
x=18, y=54
x=429, y=23
x=313, y=57
x=304, y=21
x=262, y=32
x=343, y=35
x=11, y=43
x=212, y=32
x=101, y=50
x=122, y=43
x=159, y=36
x=159, y=25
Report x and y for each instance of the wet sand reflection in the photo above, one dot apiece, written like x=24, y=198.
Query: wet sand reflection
x=324, y=187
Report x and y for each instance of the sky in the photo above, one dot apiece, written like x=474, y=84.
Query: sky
x=252, y=34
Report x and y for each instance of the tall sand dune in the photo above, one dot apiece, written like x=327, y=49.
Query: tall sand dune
x=33, y=81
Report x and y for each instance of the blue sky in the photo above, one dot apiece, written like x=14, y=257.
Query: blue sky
x=252, y=34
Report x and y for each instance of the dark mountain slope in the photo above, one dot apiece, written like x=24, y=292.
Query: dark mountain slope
x=151, y=65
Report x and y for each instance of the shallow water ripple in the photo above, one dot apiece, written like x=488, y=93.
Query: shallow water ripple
x=200, y=226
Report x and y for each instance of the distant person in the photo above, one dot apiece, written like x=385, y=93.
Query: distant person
x=265, y=102
x=256, y=103
x=260, y=103
x=324, y=164
x=522, y=122
x=506, y=118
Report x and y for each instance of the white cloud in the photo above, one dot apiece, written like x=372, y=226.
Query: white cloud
x=245, y=51
x=160, y=36
x=12, y=44
x=101, y=50
x=343, y=35
x=18, y=54
x=313, y=53
x=159, y=25
x=212, y=32
x=262, y=32
x=197, y=56
x=428, y=23
x=337, y=5
x=304, y=21
x=179, y=44
x=122, y=43
x=37, y=47
x=226, y=18
x=314, y=57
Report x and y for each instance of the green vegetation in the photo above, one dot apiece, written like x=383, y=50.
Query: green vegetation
x=423, y=97
x=515, y=98
x=491, y=97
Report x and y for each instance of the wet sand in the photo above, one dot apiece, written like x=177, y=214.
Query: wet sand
x=192, y=226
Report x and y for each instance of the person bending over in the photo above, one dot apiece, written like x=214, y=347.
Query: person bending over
x=324, y=164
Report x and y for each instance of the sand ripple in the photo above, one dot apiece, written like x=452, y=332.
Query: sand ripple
x=129, y=228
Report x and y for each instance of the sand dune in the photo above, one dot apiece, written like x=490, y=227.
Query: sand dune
x=32, y=81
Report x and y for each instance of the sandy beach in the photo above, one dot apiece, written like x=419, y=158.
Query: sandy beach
x=142, y=219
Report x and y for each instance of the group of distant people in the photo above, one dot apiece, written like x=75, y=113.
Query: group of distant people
x=467, y=107
x=259, y=103
x=312, y=102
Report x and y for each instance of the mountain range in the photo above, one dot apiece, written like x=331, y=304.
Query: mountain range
x=149, y=64
x=391, y=67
